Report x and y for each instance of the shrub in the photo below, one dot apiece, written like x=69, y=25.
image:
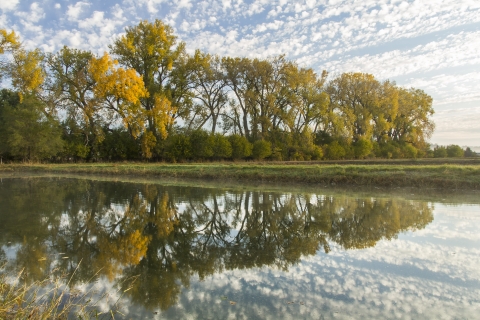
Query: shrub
x=335, y=151
x=178, y=147
x=261, y=149
x=241, y=148
x=454, y=151
x=440, y=152
x=202, y=144
x=409, y=151
x=362, y=148
x=221, y=147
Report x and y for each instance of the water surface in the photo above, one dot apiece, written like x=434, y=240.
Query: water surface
x=220, y=253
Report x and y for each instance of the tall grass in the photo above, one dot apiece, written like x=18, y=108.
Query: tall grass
x=49, y=299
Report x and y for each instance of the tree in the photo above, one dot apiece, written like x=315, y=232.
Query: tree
x=440, y=152
x=469, y=153
x=72, y=88
x=261, y=149
x=413, y=123
x=152, y=50
x=454, y=151
x=209, y=89
x=26, y=133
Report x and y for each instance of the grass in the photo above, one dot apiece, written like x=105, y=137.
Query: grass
x=465, y=175
x=47, y=299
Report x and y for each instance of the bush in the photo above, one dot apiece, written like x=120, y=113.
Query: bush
x=409, y=151
x=222, y=148
x=454, y=151
x=469, y=153
x=335, y=151
x=440, y=152
x=362, y=148
x=261, y=149
x=202, y=144
x=178, y=147
x=241, y=148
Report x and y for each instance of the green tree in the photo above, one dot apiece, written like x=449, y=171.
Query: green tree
x=241, y=148
x=469, y=153
x=335, y=151
x=454, y=151
x=440, y=152
x=261, y=149
x=26, y=133
x=222, y=148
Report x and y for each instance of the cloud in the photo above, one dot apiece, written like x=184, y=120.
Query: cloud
x=35, y=14
x=9, y=5
x=74, y=11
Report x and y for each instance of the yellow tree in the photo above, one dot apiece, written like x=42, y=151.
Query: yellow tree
x=25, y=69
x=120, y=90
x=413, y=123
x=152, y=50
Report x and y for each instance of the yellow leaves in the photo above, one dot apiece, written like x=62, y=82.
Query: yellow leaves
x=118, y=83
x=121, y=90
x=161, y=114
x=148, y=143
x=8, y=41
x=26, y=71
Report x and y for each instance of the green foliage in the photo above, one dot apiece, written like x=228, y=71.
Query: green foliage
x=178, y=147
x=469, y=153
x=454, y=151
x=362, y=148
x=26, y=133
x=222, y=149
x=241, y=147
x=440, y=152
x=202, y=145
x=118, y=145
x=409, y=151
x=335, y=151
x=261, y=149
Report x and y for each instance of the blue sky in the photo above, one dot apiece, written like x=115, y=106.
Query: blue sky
x=433, y=45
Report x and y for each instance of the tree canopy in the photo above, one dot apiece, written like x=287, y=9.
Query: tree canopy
x=161, y=100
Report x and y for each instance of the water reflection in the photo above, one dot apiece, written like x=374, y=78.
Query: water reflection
x=162, y=236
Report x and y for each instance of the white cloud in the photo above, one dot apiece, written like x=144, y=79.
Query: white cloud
x=35, y=14
x=58, y=5
x=74, y=11
x=8, y=5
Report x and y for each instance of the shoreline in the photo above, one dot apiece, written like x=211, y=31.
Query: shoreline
x=372, y=174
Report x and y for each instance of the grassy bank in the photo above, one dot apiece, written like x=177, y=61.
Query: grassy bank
x=394, y=174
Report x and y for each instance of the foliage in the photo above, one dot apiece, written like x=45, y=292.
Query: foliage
x=335, y=151
x=241, y=148
x=261, y=149
x=454, y=151
x=150, y=84
x=26, y=133
x=440, y=152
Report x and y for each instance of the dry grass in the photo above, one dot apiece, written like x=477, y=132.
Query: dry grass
x=48, y=299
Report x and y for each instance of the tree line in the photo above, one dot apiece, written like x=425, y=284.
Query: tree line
x=148, y=99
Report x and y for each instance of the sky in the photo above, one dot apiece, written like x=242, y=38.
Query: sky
x=433, y=45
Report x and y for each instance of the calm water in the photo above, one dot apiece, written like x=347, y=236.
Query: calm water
x=211, y=253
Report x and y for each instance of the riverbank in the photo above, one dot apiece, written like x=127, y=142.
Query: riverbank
x=393, y=174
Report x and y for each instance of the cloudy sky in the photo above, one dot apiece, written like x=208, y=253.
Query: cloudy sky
x=433, y=45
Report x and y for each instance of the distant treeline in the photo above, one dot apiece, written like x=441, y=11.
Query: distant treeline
x=155, y=101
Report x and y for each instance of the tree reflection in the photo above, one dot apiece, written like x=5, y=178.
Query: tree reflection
x=162, y=236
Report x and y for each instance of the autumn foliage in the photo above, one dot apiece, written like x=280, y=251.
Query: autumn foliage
x=149, y=99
